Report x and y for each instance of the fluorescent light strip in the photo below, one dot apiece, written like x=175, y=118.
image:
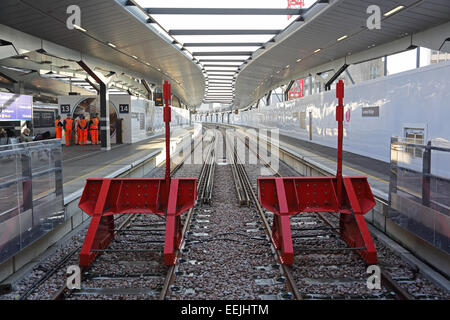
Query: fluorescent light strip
x=79, y=28
x=342, y=38
x=393, y=11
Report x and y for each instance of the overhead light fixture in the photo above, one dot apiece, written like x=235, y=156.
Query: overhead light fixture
x=79, y=28
x=135, y=57
x=299, y=59
x=317, y=50
x=342, y=38
x=112, y=45
x=287, y=67
x=393, y=11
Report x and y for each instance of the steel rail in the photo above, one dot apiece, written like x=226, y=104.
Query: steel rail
x=170, y=277
x=286, y=270
x=236, y=170
x=63, y=292
x=386, y=279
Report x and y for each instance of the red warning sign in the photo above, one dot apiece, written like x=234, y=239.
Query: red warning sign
x=297, y=90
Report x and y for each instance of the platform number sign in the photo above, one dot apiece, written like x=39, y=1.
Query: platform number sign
x=124, y=108
x=65, y=108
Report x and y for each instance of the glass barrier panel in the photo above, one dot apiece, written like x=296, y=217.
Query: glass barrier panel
x=419, y=195
x=31, y=195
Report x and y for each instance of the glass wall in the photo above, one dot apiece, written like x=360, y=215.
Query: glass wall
x=419, y=195
x=31, y=193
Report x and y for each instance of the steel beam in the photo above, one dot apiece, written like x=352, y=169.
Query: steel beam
x=147, y=87
x=221, y=65
x=13, y=81
x=104, y=107
x=200, y=32
x=221, y=60
x=335, y=76
x=227, y=76
x=221, y=53
x=93, y=85
x=224, y=44
x=286, y=92
x=227, y=11
x=215, y=70
x=227, y=83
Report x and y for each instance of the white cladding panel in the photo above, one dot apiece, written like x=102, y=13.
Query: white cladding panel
x=141, y=119
x=418, y=99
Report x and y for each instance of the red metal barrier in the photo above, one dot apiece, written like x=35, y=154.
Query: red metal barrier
x=349, y=196
x=103, y=198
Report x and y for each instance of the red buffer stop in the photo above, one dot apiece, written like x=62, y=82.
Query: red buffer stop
x=351, y=197
x=168, y=197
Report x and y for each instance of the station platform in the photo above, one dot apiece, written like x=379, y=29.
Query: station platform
x=325, y=157
x=82, y=162
x=376, y=171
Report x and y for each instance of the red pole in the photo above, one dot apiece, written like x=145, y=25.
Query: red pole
x=340, y=120
x=167, y=119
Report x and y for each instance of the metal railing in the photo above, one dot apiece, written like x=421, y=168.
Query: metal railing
x=419, y=189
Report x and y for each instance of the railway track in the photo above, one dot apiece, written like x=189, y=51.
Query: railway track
x=58, y=267
x=144, y=275
x=227, y=241
x=227, y=254
x=323, y=244
x=247, y=195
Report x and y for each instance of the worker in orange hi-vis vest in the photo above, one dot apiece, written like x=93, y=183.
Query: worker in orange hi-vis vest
x=82, y=130
x=68, y=125
x=58, y=127
x=93, y=125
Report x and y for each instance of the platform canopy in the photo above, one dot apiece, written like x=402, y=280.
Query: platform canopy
x=223, y=35
x=331, y=30
x=116, y=32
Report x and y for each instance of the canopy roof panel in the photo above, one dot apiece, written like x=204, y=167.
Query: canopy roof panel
x=329, y=32
x=114, y=33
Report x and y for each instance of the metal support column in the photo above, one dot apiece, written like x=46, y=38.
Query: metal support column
x=269, y=95
x=335, y=76
x=105, y=135
x=286, y=92
x=426, y=175
x=149, y=90
x=393, y=176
